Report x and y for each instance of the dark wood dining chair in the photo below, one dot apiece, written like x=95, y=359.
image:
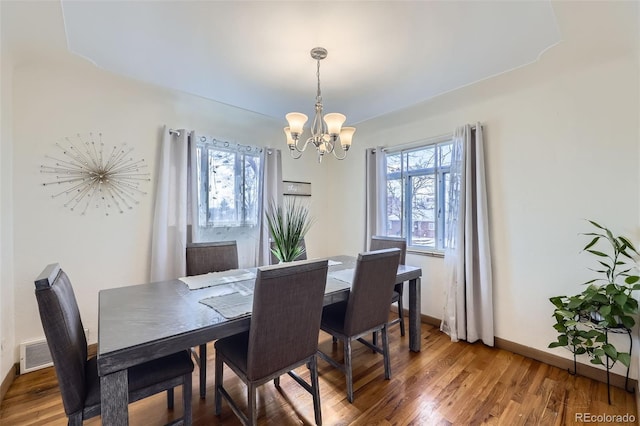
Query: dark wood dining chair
x=283, y=334
x=203, y=258
x=78, y=376
x=217, y=256
x=382, y=242
x=303, y=255
x=366, y=311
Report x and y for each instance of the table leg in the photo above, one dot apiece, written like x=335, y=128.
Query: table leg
x=414, y=315
x=114, y=398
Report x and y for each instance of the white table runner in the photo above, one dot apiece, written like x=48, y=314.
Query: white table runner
x=217, y=278
x=232, y=305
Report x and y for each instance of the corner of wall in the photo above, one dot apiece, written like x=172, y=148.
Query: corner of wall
x=638, y=177
x=8, y=352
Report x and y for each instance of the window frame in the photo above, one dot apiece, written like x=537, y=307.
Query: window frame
x=203, y=152
x=405, y=175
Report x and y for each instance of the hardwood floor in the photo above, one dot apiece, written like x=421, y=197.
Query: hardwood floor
x=447, y=383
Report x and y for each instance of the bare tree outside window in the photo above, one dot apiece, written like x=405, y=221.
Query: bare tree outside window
x=416, y=194
x=228, y=186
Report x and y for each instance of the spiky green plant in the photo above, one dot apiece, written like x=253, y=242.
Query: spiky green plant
x=288, y=224
x=582, y=320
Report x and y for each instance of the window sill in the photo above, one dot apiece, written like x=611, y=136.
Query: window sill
x=430, y=253
x=230, y=225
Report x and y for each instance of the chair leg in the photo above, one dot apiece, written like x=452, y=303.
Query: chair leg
x=347, y=369
x=75, y=419
x=203, y=370
x=313, y=370
x=218, y=384
x=401, y=315
x=186, y=400
x=385, y=353
x=251, y=404
x=276, y=381
x=170, y=399
x=374, y=339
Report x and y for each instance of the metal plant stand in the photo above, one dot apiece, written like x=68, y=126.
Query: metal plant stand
x=607, y=330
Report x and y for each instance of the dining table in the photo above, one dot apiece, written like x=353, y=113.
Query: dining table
x=139, y=323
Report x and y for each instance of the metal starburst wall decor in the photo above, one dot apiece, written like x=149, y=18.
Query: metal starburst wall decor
x=106, y=177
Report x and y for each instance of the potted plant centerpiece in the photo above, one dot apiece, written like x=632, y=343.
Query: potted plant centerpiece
x=288, y=224
x=607, y=303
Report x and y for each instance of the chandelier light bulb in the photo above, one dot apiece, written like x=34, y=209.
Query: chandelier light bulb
x=346, y=134
x=334, y=123
x=296, y=123
x=290, y=142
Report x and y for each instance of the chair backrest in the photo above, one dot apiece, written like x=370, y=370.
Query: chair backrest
x=371, y=291
x=381, y=242
x=303, y=256
x=285, y=322
x=65, y=335
x=203, y=258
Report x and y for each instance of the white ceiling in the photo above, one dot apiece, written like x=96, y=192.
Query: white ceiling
x=383, y=56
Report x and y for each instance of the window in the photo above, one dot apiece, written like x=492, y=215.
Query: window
x=228, y=186
x=417, y=193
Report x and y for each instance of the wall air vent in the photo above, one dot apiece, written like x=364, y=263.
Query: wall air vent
x=34, y=354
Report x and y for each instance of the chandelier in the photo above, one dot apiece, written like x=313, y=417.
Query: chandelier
x=326, y=131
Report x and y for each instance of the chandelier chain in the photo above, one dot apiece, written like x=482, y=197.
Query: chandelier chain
x=319, y=94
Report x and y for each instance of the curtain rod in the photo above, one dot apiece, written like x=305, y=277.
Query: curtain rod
x=422, y=142
x=226, y=144
x=231, y=145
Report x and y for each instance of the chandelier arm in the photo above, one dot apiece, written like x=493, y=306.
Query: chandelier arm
x=330, y=146
x=300, y=150
x=317, y=125
x=344, y=153
x=292, y=153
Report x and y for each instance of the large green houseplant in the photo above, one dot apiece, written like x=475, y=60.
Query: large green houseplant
x=606, y=303
x=288, y=224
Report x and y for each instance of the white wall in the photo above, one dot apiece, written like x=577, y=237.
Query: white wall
x=53, y=100
x=7, y=333
x=562, y=144
x=638, y=176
